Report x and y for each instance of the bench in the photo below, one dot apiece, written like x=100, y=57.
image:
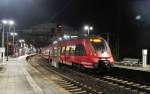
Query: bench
x=130, y=61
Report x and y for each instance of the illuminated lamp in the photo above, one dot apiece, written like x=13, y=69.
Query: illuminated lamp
x=95, y=40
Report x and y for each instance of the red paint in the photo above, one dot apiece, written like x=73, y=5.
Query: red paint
x=89, y=60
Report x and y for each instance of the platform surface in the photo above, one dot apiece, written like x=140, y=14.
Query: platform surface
x=138, y=68
x=16, y=77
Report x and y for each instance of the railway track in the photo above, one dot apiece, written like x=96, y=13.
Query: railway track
x=74, y=86
x=71, y=85
x=127, y=84
x=122, y=83
x=73, y=82
x=130, y=85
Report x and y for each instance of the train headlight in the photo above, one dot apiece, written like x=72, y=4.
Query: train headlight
x=105, y=54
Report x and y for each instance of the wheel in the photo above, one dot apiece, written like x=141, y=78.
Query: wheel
x=82, y=68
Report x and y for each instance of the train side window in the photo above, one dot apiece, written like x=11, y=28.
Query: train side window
x=80, y=50
x=67, y=50
x=55, y=51
x=72, y=50
x=47, y=52
x=58, y=51
x=63, y=50
x=50, y=51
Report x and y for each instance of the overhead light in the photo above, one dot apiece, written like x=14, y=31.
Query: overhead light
x=4, y=21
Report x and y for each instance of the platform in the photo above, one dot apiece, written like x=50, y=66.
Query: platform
x=19, y=77
x=137, y=68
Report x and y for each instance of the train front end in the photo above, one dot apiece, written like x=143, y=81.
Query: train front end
x=103, y=58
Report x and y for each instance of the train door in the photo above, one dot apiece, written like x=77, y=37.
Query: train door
x=62, y=54
x=50, y=55
x=80, y=54
x=56, y=55
x=67, y=56
x=72, y=53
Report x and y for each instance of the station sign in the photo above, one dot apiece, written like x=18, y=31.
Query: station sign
x=2, y=49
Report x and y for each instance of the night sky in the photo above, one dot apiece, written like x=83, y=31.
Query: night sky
x=100, y=14
x=117, y=17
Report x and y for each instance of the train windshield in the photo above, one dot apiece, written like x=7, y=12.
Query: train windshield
x=99, y=45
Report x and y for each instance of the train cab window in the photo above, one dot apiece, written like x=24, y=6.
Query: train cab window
x=99, y=45
x=80, y=50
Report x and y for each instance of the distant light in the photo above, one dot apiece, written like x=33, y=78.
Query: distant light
x=66, y=37
x=60, y=38
x=74, y=36
x=54, y=42
x=11, y=22
x=138, y=17
x=91, y=28
x=4, y=21
x=86, y=27
x=21, y=40
x=13, y=34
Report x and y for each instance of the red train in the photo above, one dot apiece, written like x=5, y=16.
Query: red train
x=85, y=52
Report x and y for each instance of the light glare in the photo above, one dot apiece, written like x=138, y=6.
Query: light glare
x=138, y=17
x=86, y=27
x=21, y=40
x=60, y=39
x=11, y=22
x=13, y=34
x=91, y=28
x=4, y=21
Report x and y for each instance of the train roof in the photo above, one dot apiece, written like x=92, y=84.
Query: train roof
x=75, y=37
x=84, y=37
